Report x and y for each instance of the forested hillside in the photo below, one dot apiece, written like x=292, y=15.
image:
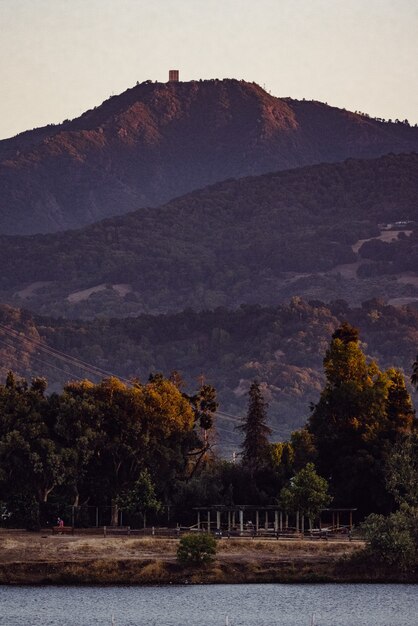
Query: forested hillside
x=282, y=347
x=157, y=141
x=254, y=240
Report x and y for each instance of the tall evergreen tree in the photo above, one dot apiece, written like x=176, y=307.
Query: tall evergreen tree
x=256, y=446
x=361, y=413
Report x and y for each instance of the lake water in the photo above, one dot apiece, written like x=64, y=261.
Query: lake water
x=208, y=605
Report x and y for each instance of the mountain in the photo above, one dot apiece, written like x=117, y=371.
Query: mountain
x=254, y=240
x=157, y=141
x=281, y=346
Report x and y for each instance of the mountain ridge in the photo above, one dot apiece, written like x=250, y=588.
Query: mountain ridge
x=157, y=141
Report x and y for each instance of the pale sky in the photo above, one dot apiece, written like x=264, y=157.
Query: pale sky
x=61, y=57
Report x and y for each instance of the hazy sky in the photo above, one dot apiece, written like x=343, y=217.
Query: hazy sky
x=61, y=57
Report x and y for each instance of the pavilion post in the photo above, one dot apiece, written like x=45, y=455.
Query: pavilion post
x=266, y=521
x=208, y=521
x=303, y=525
x=233, y=519
x=229, y=520
x=297, y=521
x=198, y=520
x=218, y=520
x=257, y=521
x=286, y=521
x=281, y=521
x=338, y=519
x=351, y=520
x=276, y=521
x=241, y=521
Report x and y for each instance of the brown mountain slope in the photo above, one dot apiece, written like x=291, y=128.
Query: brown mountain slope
x=156, y=141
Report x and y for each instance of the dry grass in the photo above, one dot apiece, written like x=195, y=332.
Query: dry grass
x=286, y=548
x=32, y=547
x=30, y=558
x=153, y=572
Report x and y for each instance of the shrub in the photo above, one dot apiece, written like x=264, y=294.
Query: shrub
x=391, y=540
x=196, y=549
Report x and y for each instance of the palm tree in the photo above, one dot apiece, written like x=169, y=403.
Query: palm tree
x=414, y=377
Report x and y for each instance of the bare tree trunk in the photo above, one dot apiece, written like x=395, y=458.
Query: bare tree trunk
x=43, y=493
x=114, y=521
x=76, y=500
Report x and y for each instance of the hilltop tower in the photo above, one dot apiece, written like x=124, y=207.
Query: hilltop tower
x=173, y=76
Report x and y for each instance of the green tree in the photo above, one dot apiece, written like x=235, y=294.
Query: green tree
x=79, y=428
x=392, y=541
x=306, y=492
x=402, y=471
x=144, y=427
x=129, y=429
x=30, y=456
x=399, y=408
x=141, y=497
x=303, y=448
x=196, y=549
x=256, y=451
x=361, y=413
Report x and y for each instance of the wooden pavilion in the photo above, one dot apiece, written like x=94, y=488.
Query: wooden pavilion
x=253, y=518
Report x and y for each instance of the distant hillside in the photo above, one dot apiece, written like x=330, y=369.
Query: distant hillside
x=158, y=141
x=255, y=240
x=282, y=347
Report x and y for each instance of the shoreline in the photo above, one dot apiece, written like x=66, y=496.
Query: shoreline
x=33, y=559
x=157, y=572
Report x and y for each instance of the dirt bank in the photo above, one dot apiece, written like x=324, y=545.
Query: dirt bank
x=30, y=558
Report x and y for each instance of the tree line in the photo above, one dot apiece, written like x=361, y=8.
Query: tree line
x=109, y=443
x=282, y=346
x=137, y=447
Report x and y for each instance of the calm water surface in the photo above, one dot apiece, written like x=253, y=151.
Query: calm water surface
x=245, y=605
